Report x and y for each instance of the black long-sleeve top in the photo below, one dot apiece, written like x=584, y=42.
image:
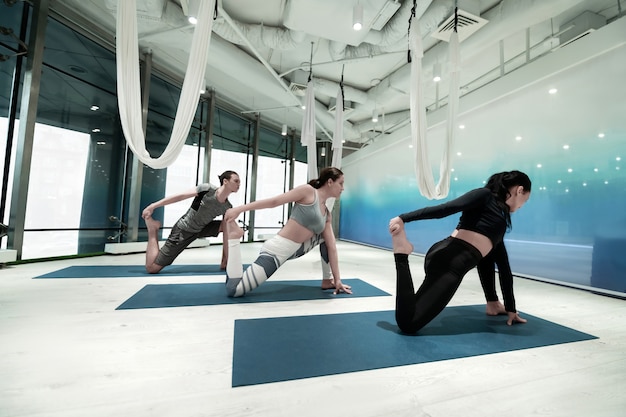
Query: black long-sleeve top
x=487, y=273
x=481, y=213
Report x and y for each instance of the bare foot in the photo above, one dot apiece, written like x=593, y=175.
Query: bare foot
x=401, y=244
x=495, y=308
x=233, y=230
x=152, y=225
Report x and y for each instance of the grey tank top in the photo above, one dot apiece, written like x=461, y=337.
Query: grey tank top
x=310, y=216
x=204, y=208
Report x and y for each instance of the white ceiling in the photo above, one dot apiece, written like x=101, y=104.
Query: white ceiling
x=258, y=48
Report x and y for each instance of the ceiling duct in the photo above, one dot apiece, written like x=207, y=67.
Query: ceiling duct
x=298, y=82
x=468, y=22
x=347, y=106
x=384, y=14
x=580, y=26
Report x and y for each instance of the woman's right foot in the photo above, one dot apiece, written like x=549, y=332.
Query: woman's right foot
x=400, y=243
x=152, y=225
x=233, y=231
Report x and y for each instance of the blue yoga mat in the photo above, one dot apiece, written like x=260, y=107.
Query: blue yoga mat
x=130, y=271
x=203, y=294
x=287, y=348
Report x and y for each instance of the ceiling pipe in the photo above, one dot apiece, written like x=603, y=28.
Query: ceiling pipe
x=391, y=38
x=258, y=35
x=505, y=19
x=329, y=89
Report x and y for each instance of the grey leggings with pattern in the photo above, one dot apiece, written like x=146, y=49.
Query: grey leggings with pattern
x=273, y=254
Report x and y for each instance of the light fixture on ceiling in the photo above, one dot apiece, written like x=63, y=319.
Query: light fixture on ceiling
x=323, y=153
x=284, y=131
x=375, y=115
x=357, y=17
x=437, y=72
x=552, y=91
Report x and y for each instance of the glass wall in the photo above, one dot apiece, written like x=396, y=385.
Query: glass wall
x=81, y=172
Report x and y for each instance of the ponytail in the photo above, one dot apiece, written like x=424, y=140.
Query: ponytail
x=328, y=173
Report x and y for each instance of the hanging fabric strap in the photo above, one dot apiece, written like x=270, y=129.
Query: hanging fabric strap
x=308, y=136
x=129, y=89
x=337, y=135
x=423, y=169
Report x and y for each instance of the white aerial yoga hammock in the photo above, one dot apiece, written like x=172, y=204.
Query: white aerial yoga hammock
x=423, y=170
x=128, y=87
x=338, y=134
x=337, y=140
x=308, y=136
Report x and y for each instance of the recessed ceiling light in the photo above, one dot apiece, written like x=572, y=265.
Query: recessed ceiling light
x=95, y=130
x=565, y=146
x=619, y=158
x=600, y=135
x=570, y=170
x=595, y=170
x=606, y=182
x=552, y=91
x=558, y=181
x=459, y=154
x=584, y=184
x=518, y=138
x=461, y=126
x=539, y=165
x=94, y=108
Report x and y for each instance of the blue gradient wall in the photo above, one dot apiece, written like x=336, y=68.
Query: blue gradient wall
x=573, y=228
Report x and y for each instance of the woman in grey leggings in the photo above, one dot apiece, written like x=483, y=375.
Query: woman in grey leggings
x=308, y=226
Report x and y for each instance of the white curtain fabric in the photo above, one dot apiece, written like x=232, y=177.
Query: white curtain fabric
x=308, y=136
x=129, y=89
x=338, y=134
x=337, y=140
x=423, y=169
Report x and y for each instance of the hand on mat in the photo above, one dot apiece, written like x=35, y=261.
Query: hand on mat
x=515, y=318
x=339, y=288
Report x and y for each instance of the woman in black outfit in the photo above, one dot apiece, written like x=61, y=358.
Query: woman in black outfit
x=484, y=220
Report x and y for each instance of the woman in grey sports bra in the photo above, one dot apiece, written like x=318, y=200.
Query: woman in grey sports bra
x=308, y=226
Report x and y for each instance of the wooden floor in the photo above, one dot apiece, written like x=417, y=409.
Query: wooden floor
x=66, y=352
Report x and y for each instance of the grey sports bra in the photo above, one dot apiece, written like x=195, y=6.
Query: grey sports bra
x=310, y=216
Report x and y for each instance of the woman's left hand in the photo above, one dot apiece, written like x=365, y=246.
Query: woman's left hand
x=339, y=288
x=514, y=318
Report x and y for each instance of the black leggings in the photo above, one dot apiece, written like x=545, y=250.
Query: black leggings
x=446, y=264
